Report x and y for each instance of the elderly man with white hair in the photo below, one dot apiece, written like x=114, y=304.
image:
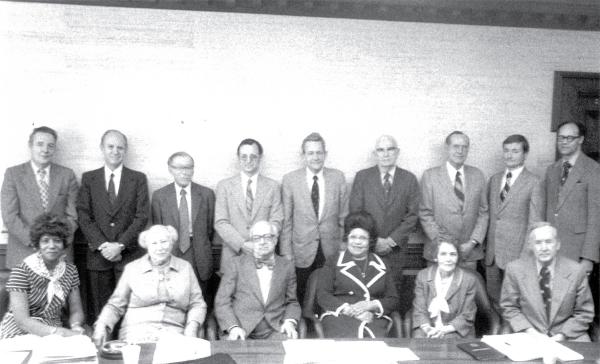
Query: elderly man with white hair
x=546, y=293
x=157, y=293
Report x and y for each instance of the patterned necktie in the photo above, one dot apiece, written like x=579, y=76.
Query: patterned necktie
x=269, y=262
x=545, y=289
x=43, y=188
x=249, y=198
x=387, y=184
x=506, y=188
x=112, y=195
x=458, y=189
x=314, y=195
x=565, y=173
x=184, y=223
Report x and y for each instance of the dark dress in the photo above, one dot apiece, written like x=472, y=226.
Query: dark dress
x=342, y=281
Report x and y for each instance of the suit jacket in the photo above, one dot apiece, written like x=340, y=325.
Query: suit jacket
x=396, y=217
x=21, y=204
x=301, y=229
x=460, y=298
x=231, y=219
x=439, y=210
x=510, y=220
x=574, y=209
x=100, y=222
x=239, y=299
x=166, y=212
x=572, y=308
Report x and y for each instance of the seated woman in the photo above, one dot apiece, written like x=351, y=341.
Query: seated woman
x=157, y=293
x=355, y=290
x=444, y=304
x=43, y=285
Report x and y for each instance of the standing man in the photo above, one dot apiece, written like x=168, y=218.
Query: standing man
x=515, y=200
x=454, y=201
x=113, y=209
x=189, y=208
x=315, y=204
x=391, y=195
x=35, y=187
x=243, y=200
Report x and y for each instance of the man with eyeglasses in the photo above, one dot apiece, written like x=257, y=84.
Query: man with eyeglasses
x=315, y=204
x=454, y=201
x=189, y=208
x=572, y=191
x=257, y=295
x=391, y=195
x=243, y=200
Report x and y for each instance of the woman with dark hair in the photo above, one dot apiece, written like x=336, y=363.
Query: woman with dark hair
x=444, y=304
x=355, y=290
x=43, y=284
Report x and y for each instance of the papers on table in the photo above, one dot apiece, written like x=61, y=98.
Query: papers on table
x=347, y=352
x=522, y=347
x=171, y=348
x=49, y=349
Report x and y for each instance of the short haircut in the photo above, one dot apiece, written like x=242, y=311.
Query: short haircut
x=582, y=129
x=43, y=129
x=362, y=220
x=179, y=154
x=456, y=132
x=517, y=138
x=52, y=225
x=110, y=131
x=250, y=141
x=314, y=137
x=273, y=227
x=445, y=238
x=154, y=230
x=538, y=225
x=388, y=137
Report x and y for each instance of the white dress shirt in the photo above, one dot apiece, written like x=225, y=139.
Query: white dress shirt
x=37, y=176
x=245, y=179
x=321, y=182
x=514, y=175
x=116, y=178
x=390, y=172
x=264, y=279
x=452, y=174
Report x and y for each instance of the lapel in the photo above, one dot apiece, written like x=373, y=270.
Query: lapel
x=495, y=192
x=469, y=190
x=98, y=184
x=447, y=184
x=172, y=202
x=455, y=284
x=530, y=279
x=431, y=280
x=560, y=285
x=54, y=187
x=349, y=269
x=576, y=173
x=236, y=194
x=124, y=187
x=248, y=269
x=29, y=181
x=196, y=200
x=327, y=192
x=306, y=192
x=261, y=193
x=375, y=270
x=374, y=180
x=277, y=278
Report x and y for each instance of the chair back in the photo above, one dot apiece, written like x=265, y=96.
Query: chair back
x=487, y=320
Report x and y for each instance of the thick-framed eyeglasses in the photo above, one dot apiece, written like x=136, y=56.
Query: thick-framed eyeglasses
x=181, y=169
x=251, y=157
x=386, y=150
x=567, y=138
x=266, y=237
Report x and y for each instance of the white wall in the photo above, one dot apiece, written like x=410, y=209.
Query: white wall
x=200, y=82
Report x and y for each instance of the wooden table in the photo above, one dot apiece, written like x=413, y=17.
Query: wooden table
x=430, y=351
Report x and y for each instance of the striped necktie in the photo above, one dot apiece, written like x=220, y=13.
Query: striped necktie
x=458, y=189
x=249, y=198
x=43, y=188
x=506, y=188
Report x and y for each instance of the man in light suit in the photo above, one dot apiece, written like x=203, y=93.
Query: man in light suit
x=515, y=202
x=113, y=209
x=315, y=204
x=189, y=208
x=454, y=201
x=35, y=187
x=244, y=199
x=257, y=295
x=391, y=195
x=546, y=293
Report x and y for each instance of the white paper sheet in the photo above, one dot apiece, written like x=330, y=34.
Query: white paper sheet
x=346, y=352
x=175, y=348
x=522, y=347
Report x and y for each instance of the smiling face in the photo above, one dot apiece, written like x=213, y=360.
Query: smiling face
x=358, y=243
x=447, y=257
x=159, y=246
x=458, y=150
x=513, y=155
x=113, y=147
x=182, y=170
x=544, y=244
x=314, y=155
x=51, y=248
x=263, y=238
x=249, y=159
x=42, y=148
x=386, y=152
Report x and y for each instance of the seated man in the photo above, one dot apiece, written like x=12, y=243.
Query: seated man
x=546, y=293
x=257, y=295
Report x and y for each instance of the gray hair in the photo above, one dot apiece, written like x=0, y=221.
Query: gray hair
x=157, y=230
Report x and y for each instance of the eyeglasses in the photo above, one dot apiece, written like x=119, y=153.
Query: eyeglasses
x=251, y=157
x=182, y=168
x=384, y=150
x=567, y=138
x=259, y=238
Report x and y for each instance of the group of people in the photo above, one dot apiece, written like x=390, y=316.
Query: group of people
x=149, y=263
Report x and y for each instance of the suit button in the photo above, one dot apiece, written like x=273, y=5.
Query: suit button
x=112, y=224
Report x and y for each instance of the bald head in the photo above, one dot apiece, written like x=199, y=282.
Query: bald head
x=264, y=238
x=386, y=152
x=544, y=243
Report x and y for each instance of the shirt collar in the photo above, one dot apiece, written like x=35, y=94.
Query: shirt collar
x=392, y=171
x=550, y=267
x=117, y=172
x=37, y=168
x=514, y=173
x=174, y=263
x=572, y=159
x=245, y=178
x=310, y=175
x=178, y=188
x=452, y=171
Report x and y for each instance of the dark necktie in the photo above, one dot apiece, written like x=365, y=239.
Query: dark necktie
x=506, y=188
x=314, y=196
x=112, y=195
x=458, y=189
x=184, y=223
x=269, y=262
x=43, y=188
x=249, y=198
x=545, y=289
x=387, y=184
x=565, y=173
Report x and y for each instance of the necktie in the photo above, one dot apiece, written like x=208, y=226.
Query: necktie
x=112, y=195
x=545, y=289
x=565, y=173
x=387, y=184
x=249, y=198
x=43, y=188
x=269, y=262
x=184, y=223
x=458, y=189
x=506, y=188
x=314, y=195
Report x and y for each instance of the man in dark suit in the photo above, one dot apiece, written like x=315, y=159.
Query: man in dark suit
x=315, y=204
x=391, y=195
x=189, y=208
x=35, y=187
x=515, y=202
x=113, y=209
x=547, y=293
x=257, y=295
x=454, y=201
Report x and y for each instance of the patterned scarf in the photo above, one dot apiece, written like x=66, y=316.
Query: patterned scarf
x=36, y=263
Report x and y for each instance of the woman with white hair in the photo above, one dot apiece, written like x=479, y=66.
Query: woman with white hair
x=157, y=293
